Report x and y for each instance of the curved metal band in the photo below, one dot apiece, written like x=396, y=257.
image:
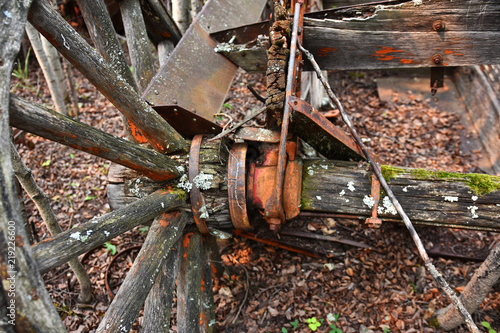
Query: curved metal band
x=197, y=199
x=236, y=186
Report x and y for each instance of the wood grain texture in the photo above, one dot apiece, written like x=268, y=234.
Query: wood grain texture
x=163, y=234
x=159, y=23
x=54, y=126
x=71, y=243
x=70, y=44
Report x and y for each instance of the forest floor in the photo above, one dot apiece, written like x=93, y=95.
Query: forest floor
x=266, y=289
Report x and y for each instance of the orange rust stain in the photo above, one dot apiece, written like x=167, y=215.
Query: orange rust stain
x=386, y=57
x=458, y=54
x=214, y=269
x=383, y=53
x=448, y=52
x=406, y=61
x=201, y=318
x=323, y=52
x=166, y=34
x=187, y=239
x=136, y=133
x=164, y=222
x=74, y=136
x=202, y=284
x=184, y=255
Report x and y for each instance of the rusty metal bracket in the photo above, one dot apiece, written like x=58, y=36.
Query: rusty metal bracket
x=187, y=123
x=374, y=221
x=236, y=186
x=197, y=200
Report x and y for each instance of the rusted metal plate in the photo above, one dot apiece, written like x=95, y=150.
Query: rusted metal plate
x=186, y=122
x=292, y=189
x=195, y=76
x=311, y=126
x=242, y=34
x=236, y=186
x=197, y=200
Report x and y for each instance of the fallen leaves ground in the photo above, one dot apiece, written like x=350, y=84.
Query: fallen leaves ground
x=357, y=290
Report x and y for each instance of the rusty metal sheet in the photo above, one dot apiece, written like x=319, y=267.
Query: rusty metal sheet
x=195, y=76
x=186, y=122
x=243, y=34
x=311, y=126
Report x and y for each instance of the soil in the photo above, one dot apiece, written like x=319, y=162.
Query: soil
x=266, y=289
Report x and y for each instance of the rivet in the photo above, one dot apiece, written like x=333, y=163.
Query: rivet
x=174, y=101
x=437, y=59
x=438, y=25
x=156, y=92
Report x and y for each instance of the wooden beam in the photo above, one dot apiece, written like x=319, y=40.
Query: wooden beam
x=163, y=234
x=63, y=129
x=56, y=251
x=159, y=23
x=70, y=44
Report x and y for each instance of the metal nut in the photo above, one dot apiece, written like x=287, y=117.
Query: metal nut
x=438, y=25
x=437, y=59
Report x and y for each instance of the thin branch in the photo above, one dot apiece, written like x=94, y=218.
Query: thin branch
x=418, y=242
x=238, y=125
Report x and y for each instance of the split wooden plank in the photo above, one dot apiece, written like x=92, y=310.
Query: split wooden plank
x=25, y=305
x=69, y=43
x=163, y=234
x=57, y=127
x=195, y=77
x=56, y=251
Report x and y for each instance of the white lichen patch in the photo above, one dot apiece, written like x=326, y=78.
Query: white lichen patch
x=417, y=2
x=450, y=199
x=203, y=181
x=405, y=189
x=350, y=186
x=89, y=232
x=180, y=168
x=473, y=210
x=204, y=212
x=310, y=171
x=162, y=205
x=387, y=207
x=106, y=233
x=474, y=198
x=75, y=235
x=318, y=197
x=324, y=166
x=369, y=201
x=342, y=193
x=135, y=189
x=184, y=183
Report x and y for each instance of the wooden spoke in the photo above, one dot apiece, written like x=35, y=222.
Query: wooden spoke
x=68, y=42
x=63, y=129
x=207, y=316
x=71, y=243
x=159, y=22
x=163, y=234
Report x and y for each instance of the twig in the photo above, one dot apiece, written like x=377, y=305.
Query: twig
x=249, y=117
x=246, y=292
x=324, y=237
x=256, y=94
x=418, y=242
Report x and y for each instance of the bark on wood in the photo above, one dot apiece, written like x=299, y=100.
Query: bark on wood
x=57, y=127
x=154, y=128
x=71, y=243
x=158, y=305
x=71, y=88
x=163, y=234
x=474, y=293
x=42, y=202
x=189, y=284
x=159, y=22
x=138, y=43
x=48, y=71
x=32, y=308
x=207, y=317
x=55, y=64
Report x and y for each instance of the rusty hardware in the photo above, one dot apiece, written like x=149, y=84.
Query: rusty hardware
x=186, y=122
x=236, y=186
x=437, y=79
x=197, y=200
x=274, y=214
x=262, y=180
x=437, y=59
x=311, y=126
x=438, y=25
x=374, y=221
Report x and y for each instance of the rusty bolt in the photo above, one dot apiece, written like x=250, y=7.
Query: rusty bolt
x=438, y=25
x=437, y=59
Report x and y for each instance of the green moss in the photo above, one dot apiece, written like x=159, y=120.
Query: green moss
x=479, y=183
x=434, y=322
x=305, y=202
x=180, y=192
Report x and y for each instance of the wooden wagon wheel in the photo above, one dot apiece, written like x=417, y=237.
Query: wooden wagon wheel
x=152, y=271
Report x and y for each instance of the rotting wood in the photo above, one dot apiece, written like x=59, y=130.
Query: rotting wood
x=56, y=251
x=69, y=43
x=42, y=202
x=60, y=128
x=138, y=43
x=31, y=308
x=163, y=234
x=189, y=293
x=158, y=305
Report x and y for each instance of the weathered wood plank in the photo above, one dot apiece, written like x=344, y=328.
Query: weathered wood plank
x=163, y=234
x=159, y=23
x=71, y=243
x=158, y=305
x=63, y=129
x=25, y=303
x=71, y=45
x=189, y=293
x=207, y=316
x=440, y=199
